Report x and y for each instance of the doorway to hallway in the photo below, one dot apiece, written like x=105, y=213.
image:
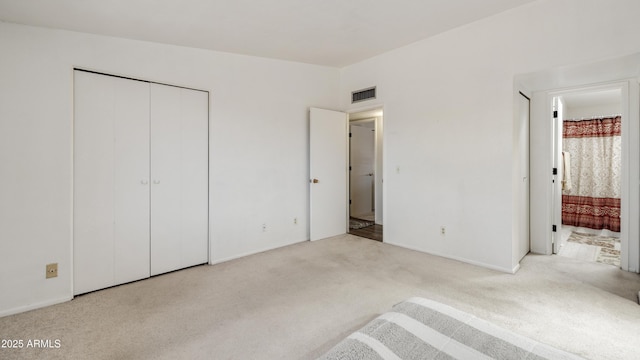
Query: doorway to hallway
x=365, y=174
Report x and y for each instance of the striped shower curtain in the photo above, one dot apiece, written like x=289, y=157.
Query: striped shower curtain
x=592, y=198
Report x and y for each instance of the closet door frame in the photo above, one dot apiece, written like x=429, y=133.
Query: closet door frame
x=143, y=181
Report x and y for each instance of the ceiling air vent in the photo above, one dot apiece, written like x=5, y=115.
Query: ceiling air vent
x=364, y=94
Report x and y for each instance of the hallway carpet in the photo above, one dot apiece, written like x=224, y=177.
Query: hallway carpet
x=299, y=301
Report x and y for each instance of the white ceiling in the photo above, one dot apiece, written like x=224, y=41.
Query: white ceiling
x=326, y=32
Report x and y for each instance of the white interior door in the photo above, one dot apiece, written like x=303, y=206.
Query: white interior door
x=179, y=178
x=523, y=141
x=328, y=173
x=111, y=176
x=361, y=175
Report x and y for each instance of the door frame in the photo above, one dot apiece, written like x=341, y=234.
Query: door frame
x=353, y=124
x=542, y=108
x=375, y=167
x=73, y=164
x=379, y=159
x=346, y=141
x=522, y=246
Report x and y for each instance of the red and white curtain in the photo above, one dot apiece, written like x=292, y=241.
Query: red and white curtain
x=591, y=184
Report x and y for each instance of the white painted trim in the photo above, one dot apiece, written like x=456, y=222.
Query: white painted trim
x=39, y=305
x=518, y=148
x=235, y=257
x=633, y=177
x=517, y=267
x=347, y=141
x=556, y=155
x=379, y=166
x=540, y=165
x=72, y=169
x=461, y=259
x=209, y=179
x=625, y=200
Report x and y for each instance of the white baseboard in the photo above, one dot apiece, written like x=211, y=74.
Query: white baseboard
x=219, y=261
x=467, y=261
x=39, y=305
x=515, y=268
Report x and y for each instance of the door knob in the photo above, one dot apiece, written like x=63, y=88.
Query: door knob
x=156, y=181
x=315, y=181
x=144, y=182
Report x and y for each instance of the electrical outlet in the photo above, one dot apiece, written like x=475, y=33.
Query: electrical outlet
x=52, y=271
x=264, y=227
x=443, y=230
x=295, y=221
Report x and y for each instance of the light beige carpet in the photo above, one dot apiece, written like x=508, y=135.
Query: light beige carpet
x=299, y=301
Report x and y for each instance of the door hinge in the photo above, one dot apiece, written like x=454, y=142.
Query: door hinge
x=349, y=201
x=350, y=134
x=349, y=167
x=553, y=228
x=555, y=171
x=555, y=114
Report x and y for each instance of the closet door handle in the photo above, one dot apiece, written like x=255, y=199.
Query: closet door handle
x=156, y=182
x=144, y=182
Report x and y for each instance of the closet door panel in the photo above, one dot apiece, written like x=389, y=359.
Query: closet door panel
x=111, y=166
x=165, y=174
x=195, y=169
x=131, y=182
x=94, y=164
x=179, y=167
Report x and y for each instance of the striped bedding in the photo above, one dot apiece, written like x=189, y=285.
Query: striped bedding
x=424, y=329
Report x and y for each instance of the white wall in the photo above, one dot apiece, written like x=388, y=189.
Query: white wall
x=258, y=147
x=589, y=112
x=449, y=119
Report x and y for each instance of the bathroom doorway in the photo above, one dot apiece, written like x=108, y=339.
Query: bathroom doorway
x=588, y=152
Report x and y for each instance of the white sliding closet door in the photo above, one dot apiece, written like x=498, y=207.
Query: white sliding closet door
x=179, y=178
x=111, y=181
